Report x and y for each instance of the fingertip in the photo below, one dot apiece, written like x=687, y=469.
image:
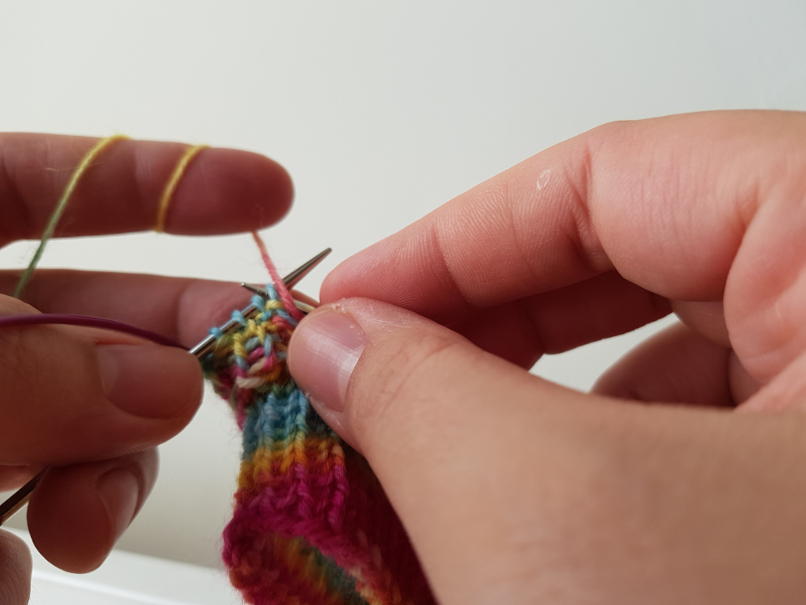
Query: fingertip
x=336, y=283
x=228, y=190
x=15, y=570
x=349, y=279
x=119, y=491
x=77, y=513
x=71, y=530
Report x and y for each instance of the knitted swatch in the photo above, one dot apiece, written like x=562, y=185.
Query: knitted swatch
x=311, y=524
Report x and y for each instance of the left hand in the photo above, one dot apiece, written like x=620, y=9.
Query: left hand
x=88, y=404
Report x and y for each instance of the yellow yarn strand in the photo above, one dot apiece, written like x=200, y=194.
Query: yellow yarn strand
x=173, y=182
x=83, y=166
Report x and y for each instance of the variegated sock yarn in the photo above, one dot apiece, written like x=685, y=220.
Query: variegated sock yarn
x=311, y=524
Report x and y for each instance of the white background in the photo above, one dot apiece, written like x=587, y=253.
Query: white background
x=381, y=111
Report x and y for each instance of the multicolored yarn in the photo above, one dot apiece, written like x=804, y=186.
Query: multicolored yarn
x=173, y=182
x=84, y=165
x=86, y=162
x=311, y=524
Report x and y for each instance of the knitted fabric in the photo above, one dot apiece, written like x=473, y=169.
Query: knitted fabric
x=311, y=524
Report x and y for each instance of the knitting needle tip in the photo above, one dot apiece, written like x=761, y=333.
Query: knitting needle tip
x=290, y=280
x=293, y=278
x=255, y=289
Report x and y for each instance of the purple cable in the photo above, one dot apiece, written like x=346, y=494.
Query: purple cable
x=89, y=322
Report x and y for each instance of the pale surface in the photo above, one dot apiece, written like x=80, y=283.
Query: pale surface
x=381, y=111
x=129, y=579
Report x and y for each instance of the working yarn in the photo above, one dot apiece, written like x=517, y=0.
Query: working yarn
x=311, y=524
x=83, y=166
x=100, y=146
x=173, y=182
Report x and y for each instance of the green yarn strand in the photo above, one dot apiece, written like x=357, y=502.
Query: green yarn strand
x=88, y=158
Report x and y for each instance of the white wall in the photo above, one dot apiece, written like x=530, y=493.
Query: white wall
x=381, y=111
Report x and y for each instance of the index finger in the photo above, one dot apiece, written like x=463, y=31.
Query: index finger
x=675, y=205
x=221, y=191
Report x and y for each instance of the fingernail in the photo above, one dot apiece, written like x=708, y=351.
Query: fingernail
x=323, y=353
x=149, y=380
x=120, y=491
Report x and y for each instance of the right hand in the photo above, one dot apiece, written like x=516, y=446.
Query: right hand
x=516, y=490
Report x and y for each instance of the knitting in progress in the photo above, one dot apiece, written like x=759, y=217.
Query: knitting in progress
x=311, y=523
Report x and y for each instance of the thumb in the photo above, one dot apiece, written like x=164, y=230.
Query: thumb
x=71, y=394
x=515, y=490
x=430, y=412
x=382, y=376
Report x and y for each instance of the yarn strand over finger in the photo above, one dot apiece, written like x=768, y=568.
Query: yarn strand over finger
x=58, y=210
x=173, y=182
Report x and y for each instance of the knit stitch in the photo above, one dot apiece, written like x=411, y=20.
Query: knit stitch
x=311, y=524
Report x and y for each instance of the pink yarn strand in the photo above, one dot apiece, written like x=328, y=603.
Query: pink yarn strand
x=282, y=290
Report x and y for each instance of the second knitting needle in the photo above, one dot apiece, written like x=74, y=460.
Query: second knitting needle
x=290, y=280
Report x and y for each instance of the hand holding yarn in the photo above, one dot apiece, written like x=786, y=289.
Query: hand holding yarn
x=516, y=490
x=91, y=404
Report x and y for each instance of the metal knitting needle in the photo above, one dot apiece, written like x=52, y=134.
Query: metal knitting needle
x=290, y=280
x=261, y=291
x=254, y=289
x=20, y=498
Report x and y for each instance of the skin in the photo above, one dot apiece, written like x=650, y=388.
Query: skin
x=680, y=478
x=513, y=490
x=93, y=427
